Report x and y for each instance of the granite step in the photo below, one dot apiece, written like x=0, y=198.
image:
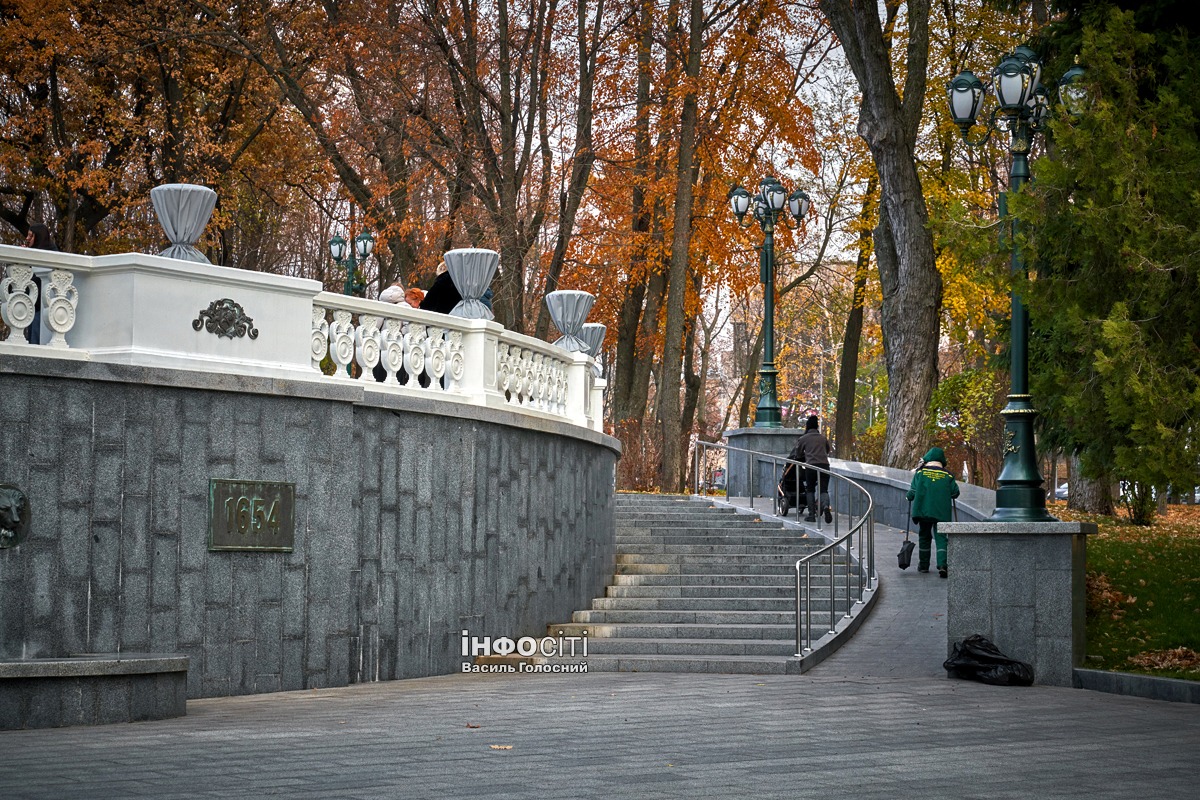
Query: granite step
x=782, y=589
x=784, y=567
x=649, y=630
x=692, y=647
x=798, y=549
x=723, y=664
x=747, y=603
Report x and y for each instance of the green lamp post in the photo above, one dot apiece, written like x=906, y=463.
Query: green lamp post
x=768, y=207
x=1022, y=108
x=349, y=257
x=364, y=244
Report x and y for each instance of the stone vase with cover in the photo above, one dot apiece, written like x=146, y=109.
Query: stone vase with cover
x=183, y=210
x=592, y=335
x=568, y=309
x=472, y=270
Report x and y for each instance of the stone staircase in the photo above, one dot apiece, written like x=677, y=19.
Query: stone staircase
x=699, y=588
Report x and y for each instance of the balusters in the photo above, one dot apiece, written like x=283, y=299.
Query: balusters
x=414, y=352
x=392, y=356
x=455, y=365
x=503, y=371
x=367, y=345
x=527, y=376
x=61, y=300
x=18, y=300
x=341, y=340
x=435, y=364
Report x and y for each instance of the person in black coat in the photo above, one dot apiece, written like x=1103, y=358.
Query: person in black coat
x=442, y=296
x=813, y=448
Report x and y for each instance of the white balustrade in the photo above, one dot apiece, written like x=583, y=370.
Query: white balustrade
x=341, y=340
x=19, y=295
x=320, y=336
x=157, y=312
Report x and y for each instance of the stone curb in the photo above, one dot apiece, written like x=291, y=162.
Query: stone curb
x=1171, y=690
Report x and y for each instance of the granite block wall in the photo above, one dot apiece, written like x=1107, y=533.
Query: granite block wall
x=414, y=520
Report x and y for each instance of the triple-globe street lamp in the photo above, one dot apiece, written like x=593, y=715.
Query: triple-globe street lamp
x=1022, y=110
x=768, y=206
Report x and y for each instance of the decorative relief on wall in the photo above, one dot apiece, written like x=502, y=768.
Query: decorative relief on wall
x=227, y=319
x=14, y=516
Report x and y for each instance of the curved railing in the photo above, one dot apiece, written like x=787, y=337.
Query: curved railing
x=852, y=509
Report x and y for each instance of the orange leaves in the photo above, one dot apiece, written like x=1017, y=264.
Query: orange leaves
x=1103, y=598
x=1178, y=658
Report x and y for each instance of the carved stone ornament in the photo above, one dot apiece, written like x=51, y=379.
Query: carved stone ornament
x=14, y=516
x=226, y=318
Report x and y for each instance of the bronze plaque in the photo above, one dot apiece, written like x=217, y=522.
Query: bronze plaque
x=251, y=515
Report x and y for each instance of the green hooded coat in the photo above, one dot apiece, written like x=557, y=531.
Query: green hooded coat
x=933, y=489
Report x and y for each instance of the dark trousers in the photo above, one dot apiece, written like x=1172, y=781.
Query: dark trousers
x=927, y=531
x=811, y=478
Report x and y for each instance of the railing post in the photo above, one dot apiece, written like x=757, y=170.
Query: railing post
x=578, y=371
x=479, y=350
x=598, y=388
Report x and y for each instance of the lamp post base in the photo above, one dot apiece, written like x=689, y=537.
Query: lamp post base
x=1019, y=493
x=766, y=413
x=1021, y=504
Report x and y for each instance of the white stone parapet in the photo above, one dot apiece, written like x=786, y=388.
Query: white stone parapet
x=152, y=311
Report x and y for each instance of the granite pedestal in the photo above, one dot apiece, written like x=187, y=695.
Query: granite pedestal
x=92, y=690
x=1022, y=585
x=749, y=473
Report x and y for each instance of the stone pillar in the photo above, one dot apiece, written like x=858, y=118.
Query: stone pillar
x=1022, y=585
x=745, y=471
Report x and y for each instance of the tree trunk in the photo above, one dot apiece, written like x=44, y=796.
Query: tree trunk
x=912, y=286
x=750, y=380
x=669, y=416
x=843, y=433
x=691, y=396
x=1086, y=494
x=633, y=367
x=583, y=157
x=636, y=391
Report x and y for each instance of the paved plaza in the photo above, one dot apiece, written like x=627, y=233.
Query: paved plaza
x=877, y=720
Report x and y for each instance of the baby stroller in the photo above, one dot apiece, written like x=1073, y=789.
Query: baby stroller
x=790, y=492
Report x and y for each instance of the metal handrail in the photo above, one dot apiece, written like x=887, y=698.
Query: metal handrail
x=857, y=543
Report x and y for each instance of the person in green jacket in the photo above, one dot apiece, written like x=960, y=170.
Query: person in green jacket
x=932, y=493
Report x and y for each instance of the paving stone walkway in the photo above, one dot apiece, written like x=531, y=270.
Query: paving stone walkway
x=877, y=720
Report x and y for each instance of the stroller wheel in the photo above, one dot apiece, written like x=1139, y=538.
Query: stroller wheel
x=781, y=506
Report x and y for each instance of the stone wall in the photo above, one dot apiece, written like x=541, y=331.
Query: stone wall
x=415, y=519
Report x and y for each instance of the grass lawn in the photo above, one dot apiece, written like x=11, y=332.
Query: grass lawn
x=1143, y=598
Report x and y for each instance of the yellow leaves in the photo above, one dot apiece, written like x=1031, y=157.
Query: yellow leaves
x=501, y=746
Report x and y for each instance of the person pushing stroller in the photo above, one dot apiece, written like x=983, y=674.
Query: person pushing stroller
x=813, y=449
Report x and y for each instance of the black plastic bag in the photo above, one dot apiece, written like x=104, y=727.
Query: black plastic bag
x=976, y=658
x=905, y=554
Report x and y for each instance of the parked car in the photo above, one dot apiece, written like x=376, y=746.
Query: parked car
x=1062, y=492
